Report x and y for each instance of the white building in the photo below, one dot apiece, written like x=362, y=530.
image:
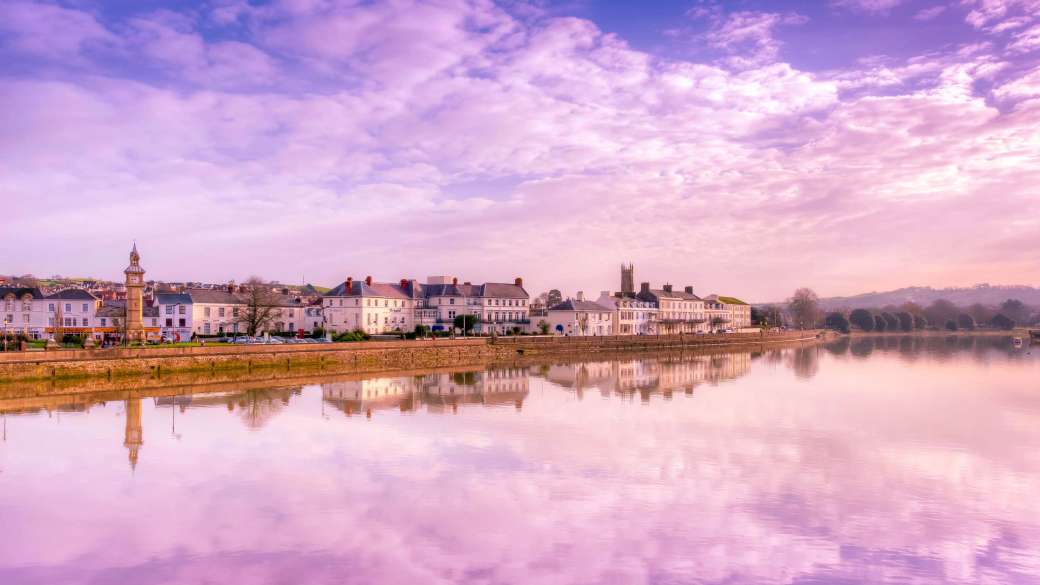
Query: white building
x=379, y=307
x=175, y=315
x=24, y=311
x=578, y=317
x=677, y=311
x=216, y=311
x=631, y=315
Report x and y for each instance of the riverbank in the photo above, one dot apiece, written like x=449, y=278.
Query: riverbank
x=1016, y=332
x=355, y=357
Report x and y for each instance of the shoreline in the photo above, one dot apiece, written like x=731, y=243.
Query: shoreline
x=353, y=357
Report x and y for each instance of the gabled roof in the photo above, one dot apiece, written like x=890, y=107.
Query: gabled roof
x=501, y=290
x=214, y=296
x=729, y=300
x=20, y=291
x=72, y=294
x=576, y=305
x=358, y=288
x=173, y=298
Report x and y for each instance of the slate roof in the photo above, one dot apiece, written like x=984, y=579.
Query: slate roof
x=72, y=294
x=660, y=293
x=20, y=291
x=112, y=309
x=173, y=298
x=494, y=290
x=575, y=305
x=214, y=296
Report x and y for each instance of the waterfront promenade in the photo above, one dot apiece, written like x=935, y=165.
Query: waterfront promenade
x=369, y=356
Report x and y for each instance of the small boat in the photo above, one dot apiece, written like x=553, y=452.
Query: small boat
x=1016, y=342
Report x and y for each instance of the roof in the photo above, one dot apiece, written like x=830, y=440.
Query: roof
x=358, y=288
x=500, y=290
x=112, y=309
x=576, y=305
x=21, y=291
x=660, y=293
x=173, y=298
x=214, y=296
x=72, y=294
x=730, y=300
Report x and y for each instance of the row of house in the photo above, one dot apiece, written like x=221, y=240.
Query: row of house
x=648, y=311
x=368, y=306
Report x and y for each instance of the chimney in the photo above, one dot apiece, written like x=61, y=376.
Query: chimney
x=667, y=288
x=231, y=288
x=580, y=296
x=454, y=281
x=604, y=293
x=368, y=281
x=467, y=283
x=644, y=287
x=519, y=282
x=348, y=286
x=689, y=290
x=404, y=283
x=285, y=291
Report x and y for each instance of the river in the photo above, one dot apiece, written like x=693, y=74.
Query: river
x=865, y=460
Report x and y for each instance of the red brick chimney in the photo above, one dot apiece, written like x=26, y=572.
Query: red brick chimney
x=467, y=283
x=368, y=281
x=231, y=288
x=455, y=281
x=349, y=285
x=667, y=288
x=404, y=283
x=519, y=282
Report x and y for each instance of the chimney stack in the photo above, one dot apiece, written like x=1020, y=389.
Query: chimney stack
x=231, y=288
x=667, y=288
x=368, y=281
x=519, y=282
x=467, y=283
x=644, y=287
x=404, y=283
x=580, y=296
x=454, y=281
x=689, y=290
x=348, y=286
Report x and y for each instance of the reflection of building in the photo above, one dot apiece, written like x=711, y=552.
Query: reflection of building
x=133, y=436
x=648, y=376
x=435, y=391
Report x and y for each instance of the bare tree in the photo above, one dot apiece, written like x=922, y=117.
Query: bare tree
x=261, y=305
x=805, y=308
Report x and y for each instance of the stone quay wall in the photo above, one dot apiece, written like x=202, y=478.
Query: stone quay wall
x=367, y=356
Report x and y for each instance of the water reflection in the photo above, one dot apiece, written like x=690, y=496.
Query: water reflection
x=905, y=460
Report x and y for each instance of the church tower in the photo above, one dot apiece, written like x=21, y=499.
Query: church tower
x=628, y=279
x=134, y=298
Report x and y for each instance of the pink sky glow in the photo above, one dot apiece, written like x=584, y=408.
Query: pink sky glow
x=319, y=139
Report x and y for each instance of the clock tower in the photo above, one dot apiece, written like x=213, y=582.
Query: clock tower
x=134, y=298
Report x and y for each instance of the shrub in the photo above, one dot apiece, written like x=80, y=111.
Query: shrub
x=951, y=325
x=891, y=322
x=879, y=323
x=920, y=322
x=906, y=321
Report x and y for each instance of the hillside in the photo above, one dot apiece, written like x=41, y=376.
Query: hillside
x=923, y=295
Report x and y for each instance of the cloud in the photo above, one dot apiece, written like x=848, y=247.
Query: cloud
x=50, y=31
x=930, y=13
x=868, y=5
x=471, y=131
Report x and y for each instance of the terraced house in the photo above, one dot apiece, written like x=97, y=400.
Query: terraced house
x=381, y=307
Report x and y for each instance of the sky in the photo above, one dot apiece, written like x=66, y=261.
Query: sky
x=745, y=148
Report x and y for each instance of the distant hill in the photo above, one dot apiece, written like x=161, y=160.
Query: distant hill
x=923, y=295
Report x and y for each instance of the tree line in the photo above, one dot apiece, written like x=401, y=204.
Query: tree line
x=803, y=311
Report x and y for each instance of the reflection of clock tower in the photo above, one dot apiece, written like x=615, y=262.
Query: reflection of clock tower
x=134, y=297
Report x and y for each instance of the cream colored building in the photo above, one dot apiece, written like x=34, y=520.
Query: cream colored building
x=580, y=318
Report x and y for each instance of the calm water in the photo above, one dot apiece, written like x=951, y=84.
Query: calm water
x=875, y=461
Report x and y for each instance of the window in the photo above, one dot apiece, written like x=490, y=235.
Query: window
x=451, y=301
x=85, y=324
x=26, y=306
x=234, y=311
x=220, y=312
x=25, y=318
x=50, y=321
x=205, y=328
x=155, y=322
x=169, y=322
x=50, y=307
x=103, y=321
x=205, y=311
x=69, y=322
x=180, y=309
x=169, y=309
x=181, y=323
x=68, y=307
